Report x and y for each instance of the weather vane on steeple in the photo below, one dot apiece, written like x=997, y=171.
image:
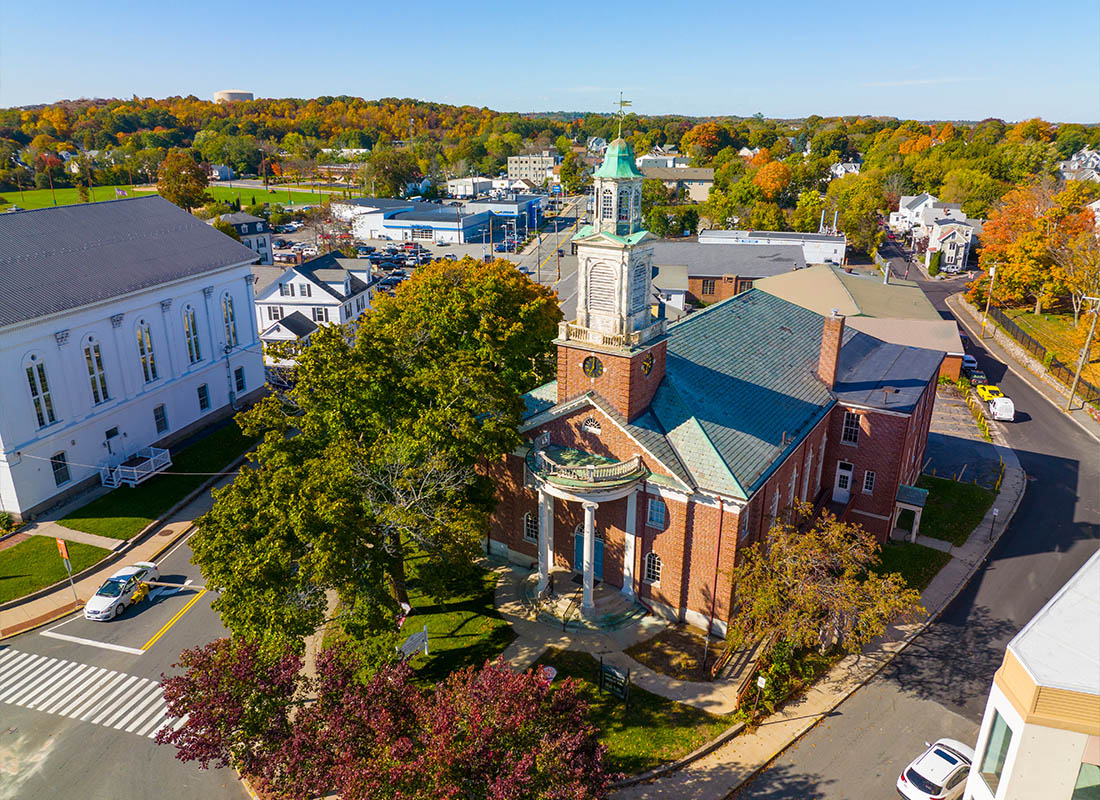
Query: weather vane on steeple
x=622, y=104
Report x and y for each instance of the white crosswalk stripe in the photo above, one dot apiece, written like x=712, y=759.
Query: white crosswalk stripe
x=84, y=692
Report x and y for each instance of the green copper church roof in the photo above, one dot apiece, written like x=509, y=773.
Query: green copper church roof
x=618, y=161
x=590, y=231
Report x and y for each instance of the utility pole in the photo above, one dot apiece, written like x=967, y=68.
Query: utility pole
x=1084, y=350
x=988, y=297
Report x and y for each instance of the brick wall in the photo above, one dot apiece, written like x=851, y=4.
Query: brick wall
x=724, y=286
x=622, y=384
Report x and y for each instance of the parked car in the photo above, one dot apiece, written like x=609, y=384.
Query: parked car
x=969, y=362
x=987, y=391
x=1003, y=409
x=976, y=377
x=450, y=257
x=121, y=590
x=939, y=773
x=364, y=249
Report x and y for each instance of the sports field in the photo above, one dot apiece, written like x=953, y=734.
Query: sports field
x=44, y=198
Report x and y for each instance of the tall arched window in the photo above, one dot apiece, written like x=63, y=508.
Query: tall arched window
x=607, y=204
x=230, y=320
x=191, y=334
x=145, y=351
x=652, y=567
x=40, y=392
x=624, y=205
x=97, y=376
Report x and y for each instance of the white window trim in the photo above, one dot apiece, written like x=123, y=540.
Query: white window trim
x=653, y=504
x=869, y=474
x=651, y=558
x=527, y=518
x=859, y=425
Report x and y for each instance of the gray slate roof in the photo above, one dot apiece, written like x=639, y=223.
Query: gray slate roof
x=867, y=366
x=57, y=259
x=240, y=218
x=298, y=324
x=731, y=237
x=746, y=260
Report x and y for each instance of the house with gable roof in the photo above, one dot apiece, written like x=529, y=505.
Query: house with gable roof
x=662, y=449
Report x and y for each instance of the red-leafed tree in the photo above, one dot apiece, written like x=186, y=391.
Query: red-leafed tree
x=489, y=733
x=238, y=700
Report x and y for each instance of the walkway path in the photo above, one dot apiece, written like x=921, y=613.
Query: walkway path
x=721, y=772
x=59, y=531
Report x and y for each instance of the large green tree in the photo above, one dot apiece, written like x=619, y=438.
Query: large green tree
x=859, y=199
x=182, y=180
x=373, y=452
x=389, y=172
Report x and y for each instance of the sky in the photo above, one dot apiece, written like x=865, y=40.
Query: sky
x=971, y=60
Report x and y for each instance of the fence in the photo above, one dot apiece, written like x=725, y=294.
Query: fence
x=1086, y=392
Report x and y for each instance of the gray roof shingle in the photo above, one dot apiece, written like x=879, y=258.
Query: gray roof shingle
x=57, y=259
x=746, y=260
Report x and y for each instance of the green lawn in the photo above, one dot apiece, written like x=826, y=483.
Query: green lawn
x=464, y=628
x=1055, y=332
x=647, y=731
x=35, y=563
x=42, y=198
x=916, y=563
x=953, y=509
x=123, y=512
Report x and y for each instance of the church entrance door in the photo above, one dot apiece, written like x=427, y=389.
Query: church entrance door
x=578, y=554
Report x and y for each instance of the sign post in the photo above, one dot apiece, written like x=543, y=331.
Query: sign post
x=614, y=681
x=761, y=682
x=63, y=549
x=415, y=642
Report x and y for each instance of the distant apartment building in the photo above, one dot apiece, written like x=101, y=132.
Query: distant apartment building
x=255, y=233
x=535, y=167
x=817, y=248
x=689, y=183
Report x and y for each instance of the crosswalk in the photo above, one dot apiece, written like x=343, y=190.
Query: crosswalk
x=84, y=692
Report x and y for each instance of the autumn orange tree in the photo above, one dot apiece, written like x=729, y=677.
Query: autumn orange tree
x=772, y=179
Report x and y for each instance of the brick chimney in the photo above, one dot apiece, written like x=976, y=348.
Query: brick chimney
x=832, y=336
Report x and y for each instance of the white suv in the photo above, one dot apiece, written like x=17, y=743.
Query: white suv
x=939, y=773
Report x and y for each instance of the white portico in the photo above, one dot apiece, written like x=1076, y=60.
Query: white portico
x=578, y=477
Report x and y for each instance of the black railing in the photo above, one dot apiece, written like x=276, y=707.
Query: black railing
x=1086, y=392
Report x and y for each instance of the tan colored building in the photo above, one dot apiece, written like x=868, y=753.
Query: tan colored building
x=695, y=182
x=897, y=312
x=1040, y=735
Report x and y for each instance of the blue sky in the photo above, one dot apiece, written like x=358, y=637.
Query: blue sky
x=963, y=60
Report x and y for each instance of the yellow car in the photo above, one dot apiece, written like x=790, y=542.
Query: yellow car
x=987, y=392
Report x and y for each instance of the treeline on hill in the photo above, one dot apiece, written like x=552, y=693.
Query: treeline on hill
x=785, y=184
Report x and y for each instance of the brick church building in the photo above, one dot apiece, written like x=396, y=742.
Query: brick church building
x=663, y=448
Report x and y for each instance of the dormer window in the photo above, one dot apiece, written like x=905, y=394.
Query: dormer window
x=591, y=425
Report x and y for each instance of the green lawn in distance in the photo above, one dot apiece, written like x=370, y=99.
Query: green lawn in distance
x=35, y=563
x=953, y=509
x=916, y=563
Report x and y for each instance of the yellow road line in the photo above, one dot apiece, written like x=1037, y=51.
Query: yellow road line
x=554, y=251
x=173, y=621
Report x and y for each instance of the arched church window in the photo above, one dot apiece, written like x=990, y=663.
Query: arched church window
x=624, y=206
x=607, y=204
x=601, y=288
x=591, y=425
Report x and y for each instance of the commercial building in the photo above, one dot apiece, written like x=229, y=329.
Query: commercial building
x=525, y=209
x=469, y=187
x=898, y=311
x=411, y=220
x=817, y=248
x=1040, y=733
x=124, y=326
x=535, y=167
x=660, y=450
x=717, y=273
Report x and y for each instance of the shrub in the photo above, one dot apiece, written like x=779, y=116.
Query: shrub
x=934, y=264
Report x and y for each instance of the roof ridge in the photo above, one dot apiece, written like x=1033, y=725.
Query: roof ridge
x=692, y=418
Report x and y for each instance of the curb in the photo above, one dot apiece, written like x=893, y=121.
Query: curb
x=140, y=538
x=932, y=617
x=694, y=755
x=1011, y=362
x=908, y=640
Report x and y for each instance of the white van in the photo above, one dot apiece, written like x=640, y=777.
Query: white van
x=1002, y=408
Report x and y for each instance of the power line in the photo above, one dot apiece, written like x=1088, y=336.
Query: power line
x=100, y=466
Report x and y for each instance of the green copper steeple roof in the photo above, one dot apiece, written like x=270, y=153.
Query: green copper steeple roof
x=618, y=161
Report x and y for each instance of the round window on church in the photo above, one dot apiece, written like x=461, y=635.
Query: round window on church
x=647, y=364
x=593, y=367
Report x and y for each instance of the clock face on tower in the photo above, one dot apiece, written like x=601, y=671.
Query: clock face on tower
x=593, y=367
x=647, y=364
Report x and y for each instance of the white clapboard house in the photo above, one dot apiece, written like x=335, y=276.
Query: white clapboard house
x=124, y=327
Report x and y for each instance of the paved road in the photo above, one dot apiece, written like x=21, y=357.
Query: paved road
x=80, y=701
x=938, y=686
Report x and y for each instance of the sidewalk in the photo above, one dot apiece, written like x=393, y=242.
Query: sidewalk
x=20, y=616
x=726, y=768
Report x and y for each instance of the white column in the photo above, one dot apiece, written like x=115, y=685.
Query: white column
x=628, y=545
x=545, y=511
x=588, y=605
